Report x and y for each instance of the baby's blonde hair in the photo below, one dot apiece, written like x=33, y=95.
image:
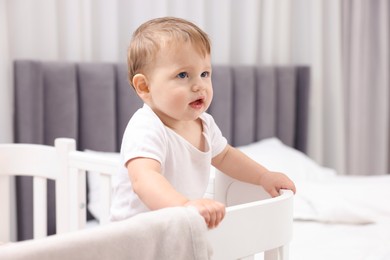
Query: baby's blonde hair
x=148, y=39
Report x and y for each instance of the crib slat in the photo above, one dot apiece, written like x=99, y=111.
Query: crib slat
x=105, y=186
x=73, y=199
x=271, y=254
x=82, y=198
x=277, y=253
x=5, y=219
x=40, y=207
x=63, y=189
x=77, y=184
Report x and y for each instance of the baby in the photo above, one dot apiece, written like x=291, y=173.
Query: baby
x=170, y=143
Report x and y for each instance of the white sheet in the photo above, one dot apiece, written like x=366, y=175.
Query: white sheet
x=351, y=219
x=344, y=199
x=319, y=241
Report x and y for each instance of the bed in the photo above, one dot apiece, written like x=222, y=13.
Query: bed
x=262, y=110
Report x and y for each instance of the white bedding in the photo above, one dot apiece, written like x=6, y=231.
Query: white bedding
x=342, y=199
x=350, y=219
x=320, y=241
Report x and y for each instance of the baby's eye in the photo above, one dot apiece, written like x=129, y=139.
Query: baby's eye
x=205, y=74
x=182, y=75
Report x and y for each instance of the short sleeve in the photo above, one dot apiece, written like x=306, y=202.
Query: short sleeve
x=217, y=140
x=144, y=137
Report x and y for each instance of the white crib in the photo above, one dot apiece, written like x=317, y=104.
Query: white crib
x=248, y=228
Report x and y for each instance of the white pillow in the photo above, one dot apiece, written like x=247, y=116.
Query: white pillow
x=94, y=185
x=276, y=156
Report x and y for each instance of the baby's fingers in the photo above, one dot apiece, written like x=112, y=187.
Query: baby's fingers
x=273, y=192
x=212, y=211
x=217, y=214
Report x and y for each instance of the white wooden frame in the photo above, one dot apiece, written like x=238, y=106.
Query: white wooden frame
x=41, y=163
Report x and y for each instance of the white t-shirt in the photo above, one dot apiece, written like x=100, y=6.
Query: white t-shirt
x=183, y=165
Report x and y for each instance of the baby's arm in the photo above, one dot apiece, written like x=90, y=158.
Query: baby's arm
x=156, y=192
x=239, y=166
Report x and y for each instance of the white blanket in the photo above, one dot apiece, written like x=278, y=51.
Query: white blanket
x=171, y=233
x=343, y=200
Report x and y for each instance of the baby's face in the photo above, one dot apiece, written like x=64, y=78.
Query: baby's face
x=180, y=83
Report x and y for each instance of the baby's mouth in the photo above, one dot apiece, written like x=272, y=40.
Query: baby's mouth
x=197, y=103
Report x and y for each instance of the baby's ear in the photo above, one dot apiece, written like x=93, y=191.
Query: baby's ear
x=140, y=84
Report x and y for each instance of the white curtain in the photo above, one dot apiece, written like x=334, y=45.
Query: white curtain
x=366, y=85
x=344, y=41
x=6, y=95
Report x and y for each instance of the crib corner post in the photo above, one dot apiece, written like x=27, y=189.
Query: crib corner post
x=63, y=147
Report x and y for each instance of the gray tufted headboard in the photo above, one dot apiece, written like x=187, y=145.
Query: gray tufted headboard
x=92, y=102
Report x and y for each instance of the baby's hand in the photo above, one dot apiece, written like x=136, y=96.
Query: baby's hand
x=274, y=181
x=211, y=210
